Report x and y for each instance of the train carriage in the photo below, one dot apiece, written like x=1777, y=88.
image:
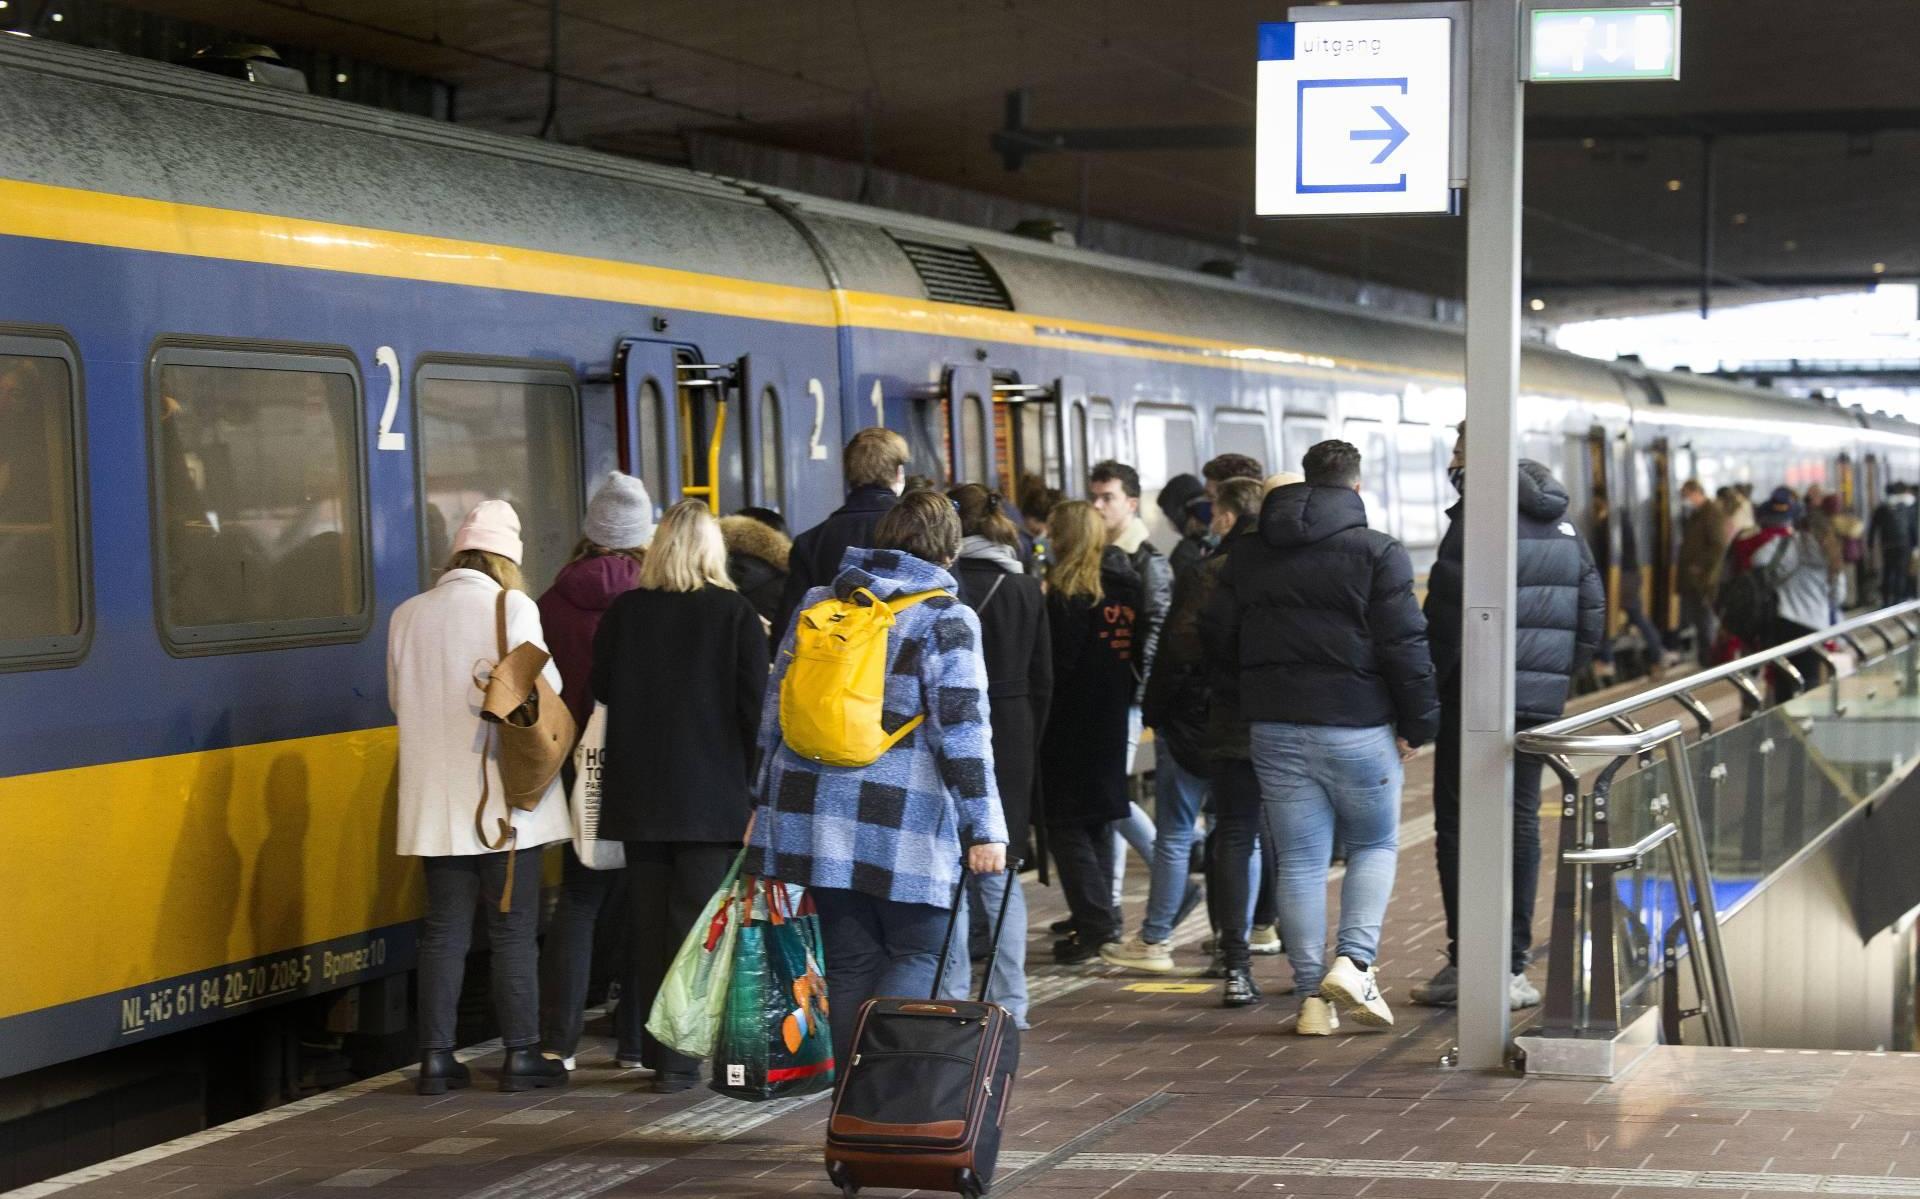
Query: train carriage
x=259, y=352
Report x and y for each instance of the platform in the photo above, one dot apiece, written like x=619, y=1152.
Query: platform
x=1131, y=1088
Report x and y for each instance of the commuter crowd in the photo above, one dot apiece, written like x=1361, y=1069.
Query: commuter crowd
x=1280, y=653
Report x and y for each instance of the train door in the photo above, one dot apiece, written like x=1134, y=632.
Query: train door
x=1602, y=531
x=1874, y=486
x=1028, y=434
x=648, y=418
x=1846, y=483
x=712, y=433
x=1662, y=548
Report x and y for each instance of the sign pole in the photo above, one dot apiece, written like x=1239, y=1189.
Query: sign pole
x=1486, y=668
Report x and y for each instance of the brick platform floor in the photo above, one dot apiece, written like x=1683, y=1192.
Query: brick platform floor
x=1129, y=1094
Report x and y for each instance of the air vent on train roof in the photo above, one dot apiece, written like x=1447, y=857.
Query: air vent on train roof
x=955, y=274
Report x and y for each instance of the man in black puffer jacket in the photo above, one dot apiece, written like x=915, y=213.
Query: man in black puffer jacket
x=874, y=467
x=1317, y=614
x=1560, y=611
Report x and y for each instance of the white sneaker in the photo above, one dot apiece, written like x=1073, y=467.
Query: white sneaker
x=1138, y=953
x=1317, y=1018
x=1357, y=992
x=1521, y=993
x=566, y=1063
x=1264, y=940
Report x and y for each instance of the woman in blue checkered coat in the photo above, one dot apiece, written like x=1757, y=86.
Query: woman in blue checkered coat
x=880, y=847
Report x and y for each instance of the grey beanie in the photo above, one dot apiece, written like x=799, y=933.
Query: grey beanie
x=620, y=514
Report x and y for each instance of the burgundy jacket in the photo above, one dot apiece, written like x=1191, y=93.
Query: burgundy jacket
x=570, y=613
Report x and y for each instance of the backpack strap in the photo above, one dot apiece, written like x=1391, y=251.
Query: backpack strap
x=900, y=604
x=991, y=592
x=509, y=836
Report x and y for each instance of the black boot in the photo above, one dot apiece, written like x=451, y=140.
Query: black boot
x=672, y=1082
x=1240, y=989
x=526, y=1068
x=441, y=1072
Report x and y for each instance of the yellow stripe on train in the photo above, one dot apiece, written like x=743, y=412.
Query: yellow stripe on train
x=127, y=872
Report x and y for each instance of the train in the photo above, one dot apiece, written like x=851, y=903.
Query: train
x=259, y=351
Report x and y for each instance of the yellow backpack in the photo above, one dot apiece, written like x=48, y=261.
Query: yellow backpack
x=835, y=689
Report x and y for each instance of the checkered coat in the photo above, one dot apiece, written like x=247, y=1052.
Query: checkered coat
x=896, y=829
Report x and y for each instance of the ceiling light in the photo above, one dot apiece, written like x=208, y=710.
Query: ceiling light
x=1587, y=143
x=340, y=78
x=1789, y=245
x=3, y=3
x=1879, y=268
x=1739, y=218
x=1537, y=304
x=1673, y=185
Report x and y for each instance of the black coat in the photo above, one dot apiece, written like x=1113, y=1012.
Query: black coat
x=1155, y=574
x=1317, y=612
x=1019, y=654
x=1083, y=752
x=815, y=560
x=1560, y=606
x=682, y=674
x=1193, y=706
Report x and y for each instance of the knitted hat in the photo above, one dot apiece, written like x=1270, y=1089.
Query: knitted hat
x=1176, y=493
x=620, y=514
x=492, y=526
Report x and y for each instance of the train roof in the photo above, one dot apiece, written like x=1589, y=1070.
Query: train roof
x=107, y=122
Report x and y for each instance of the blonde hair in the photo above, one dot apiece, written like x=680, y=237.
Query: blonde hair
x=687, y=553
x=504, y=571
x=874, y=458
x=1076, y=539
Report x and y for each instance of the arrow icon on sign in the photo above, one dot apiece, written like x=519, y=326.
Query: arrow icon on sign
x=1393, y=135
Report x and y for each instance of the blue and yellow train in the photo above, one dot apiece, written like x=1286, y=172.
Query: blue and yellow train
x=259, y=351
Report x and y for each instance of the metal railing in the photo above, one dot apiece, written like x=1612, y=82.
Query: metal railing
x=1585, y=996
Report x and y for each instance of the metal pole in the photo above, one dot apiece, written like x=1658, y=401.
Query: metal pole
x=1706, y=225
x=1486, y=668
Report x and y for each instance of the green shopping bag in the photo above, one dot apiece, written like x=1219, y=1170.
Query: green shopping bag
x=686, y=1013
x=774, y=1041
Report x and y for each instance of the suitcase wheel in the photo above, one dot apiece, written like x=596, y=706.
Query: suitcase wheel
x=838, y=1176
x=968, y=1184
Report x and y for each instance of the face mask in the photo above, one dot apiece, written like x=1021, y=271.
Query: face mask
x=1457, y=475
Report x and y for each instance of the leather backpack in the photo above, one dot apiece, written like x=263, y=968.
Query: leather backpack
x=533, y=728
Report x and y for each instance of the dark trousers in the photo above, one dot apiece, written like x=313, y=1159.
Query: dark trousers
x=1525, y=808
x=668, y=886
x=1809, y=663
x=1697, y=613
x=875, y=947
x=1896, y=575
x=1084, y=855
x=1238, y=815
x=588, y=899
x=455, y=886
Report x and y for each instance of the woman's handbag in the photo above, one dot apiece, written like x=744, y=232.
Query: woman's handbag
x=774, y=1041
x=686, y=1013
x=589, y=769
x=534, y=729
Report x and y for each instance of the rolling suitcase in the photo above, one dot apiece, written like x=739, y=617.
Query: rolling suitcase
x=923, y=1097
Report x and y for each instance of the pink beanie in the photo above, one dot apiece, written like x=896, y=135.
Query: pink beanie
x=492, y=526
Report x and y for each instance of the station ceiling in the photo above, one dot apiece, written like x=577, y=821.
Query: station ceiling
x=1814, y=121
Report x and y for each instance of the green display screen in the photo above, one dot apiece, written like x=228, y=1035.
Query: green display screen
x=1572, y=44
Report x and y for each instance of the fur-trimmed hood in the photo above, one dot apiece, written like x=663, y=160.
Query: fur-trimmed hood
x=745, y=535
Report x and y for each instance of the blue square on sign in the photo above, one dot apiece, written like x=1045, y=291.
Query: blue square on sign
x=1354, y=129
x=1276, y=41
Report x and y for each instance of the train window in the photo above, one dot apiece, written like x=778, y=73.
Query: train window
x=43, y=608
x=501, y=432
x=1030, y=443
x=1102, y=434
x=927, y=438
x=1242, y=433
x=773, y=492
x=1301, y=434
x=259, y=480
x=1375, y=466
x=1417, y=479
x=973, y=439
x=1168, y=444
x=654, y=445
x=733, y=459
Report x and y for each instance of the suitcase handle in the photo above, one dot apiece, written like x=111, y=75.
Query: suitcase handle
x=953, y=922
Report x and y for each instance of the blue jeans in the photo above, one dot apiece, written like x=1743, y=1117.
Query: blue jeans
x=1008, y=986
x=1136, y=828
x=1314, y=780
x=874, y=947
x=1177, y=796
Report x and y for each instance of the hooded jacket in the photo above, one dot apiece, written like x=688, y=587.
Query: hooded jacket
x=570, y=612
x=817, y=553
x=757, y=563
x=1019, y=656
x=1318, y=615
x=1560, y=606
x=1703, y=550
x=895, y=829
x=1083, y=754
x=1192, y=706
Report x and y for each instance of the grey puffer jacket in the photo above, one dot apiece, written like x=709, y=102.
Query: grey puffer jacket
x=1560, y=606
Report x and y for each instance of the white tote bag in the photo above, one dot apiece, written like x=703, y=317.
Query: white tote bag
x=589, y=761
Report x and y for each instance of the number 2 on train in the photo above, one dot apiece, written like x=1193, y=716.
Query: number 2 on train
x=389, y=440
